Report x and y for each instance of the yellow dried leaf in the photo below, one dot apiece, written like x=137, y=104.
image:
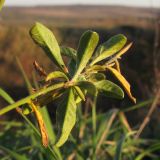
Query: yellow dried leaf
x=124, y=50
x=41, y=124
x=124, y=82
x=119, y=54
x=117, y=66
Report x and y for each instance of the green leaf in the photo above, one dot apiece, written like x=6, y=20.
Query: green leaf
x=109, y=89
x=109, y=48
x=69, y=52
x=1, y=3
x=56, y=74
x=72, y=67
x=13, y=154
x=95, y=69
x=66, y=117
x=87, y=45
x=6, y=96
x=23, y=101
x=52, y=152
x=89, y=86
x=120, y=143
x=79, y=92
x=94, y=77
x=45, y=39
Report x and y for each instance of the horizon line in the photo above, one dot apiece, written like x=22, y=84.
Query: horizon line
x=82, y=4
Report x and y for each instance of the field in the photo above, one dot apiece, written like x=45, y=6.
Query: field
x=140, y=66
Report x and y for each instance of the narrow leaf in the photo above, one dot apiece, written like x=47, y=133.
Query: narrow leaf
x=28, y=98
x=109, y=89
x=124, y=82
x=45, y=39
x=56, y=74
x=69, y=52
x=65, y=117
x=6, y=96
x=109, y=48
x=79, y=92
x=13, y=154
x=120, y=143
x=119, y=54
x=41, y=124
x=87, y=45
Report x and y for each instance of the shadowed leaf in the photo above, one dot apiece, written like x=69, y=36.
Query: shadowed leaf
x=89, y=86
x=66, y=117
x=95, y=77
x=109, y=89
x=69, y=52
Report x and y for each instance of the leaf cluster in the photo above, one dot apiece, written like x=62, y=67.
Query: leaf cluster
x=83, y=75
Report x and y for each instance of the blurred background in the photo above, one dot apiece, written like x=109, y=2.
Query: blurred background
x=138, y=20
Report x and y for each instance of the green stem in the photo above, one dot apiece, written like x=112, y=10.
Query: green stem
x=94, y=126
x=31, y=97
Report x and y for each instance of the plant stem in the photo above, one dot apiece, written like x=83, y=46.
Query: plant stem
x=94, y=126
x=31, y=97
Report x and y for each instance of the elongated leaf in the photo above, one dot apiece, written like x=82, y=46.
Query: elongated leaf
x=120, y=143
x=89, y=86
x=66, y=117
x=87, y=45
x=6, y=96
x=41, y=124
x=95, y=69
x=119, y=54
x=72, y=67
x=1, y=3
x=95, y=77
x=147, y=152
x=109, y=48
x=13, y=154
x=53, y=152
x=69, y=52
x=45, y=39
x=56, y=74
x=109, y=89
x=124, y=82
x=33, y=96
x=79, y=92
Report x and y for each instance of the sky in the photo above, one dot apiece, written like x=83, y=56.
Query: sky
x=140, y=3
